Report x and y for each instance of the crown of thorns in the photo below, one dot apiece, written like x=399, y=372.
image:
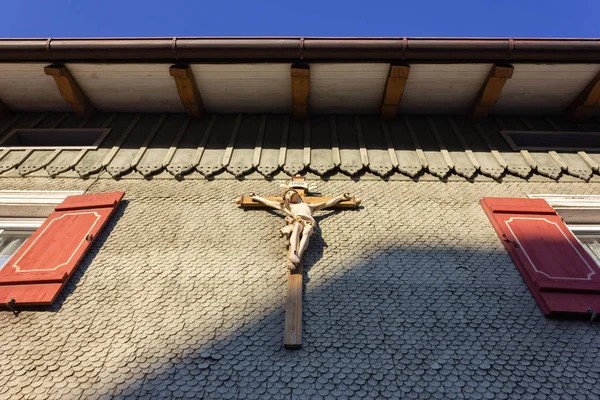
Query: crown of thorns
x=288, y=190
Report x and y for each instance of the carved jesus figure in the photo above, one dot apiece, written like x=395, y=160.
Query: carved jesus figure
x=300, y=224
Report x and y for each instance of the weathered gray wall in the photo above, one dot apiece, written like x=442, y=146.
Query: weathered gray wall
x=411, y=296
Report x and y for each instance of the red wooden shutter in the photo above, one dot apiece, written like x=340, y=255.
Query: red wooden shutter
x=38, y=271
x=560, y=274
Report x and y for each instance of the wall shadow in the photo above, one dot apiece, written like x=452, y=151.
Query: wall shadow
x=399, y=322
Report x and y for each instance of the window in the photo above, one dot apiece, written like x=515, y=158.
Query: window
x=552, y=140
x=43, y=236
x=591, y=242
x=77, y=138
x=11, y=240
x=581, y=214
x=14, y=232
x=554, y=249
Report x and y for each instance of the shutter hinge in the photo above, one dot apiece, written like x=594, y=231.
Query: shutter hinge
x=593, y=314
x=508, y=240
x=89, y=237
x=11, y=306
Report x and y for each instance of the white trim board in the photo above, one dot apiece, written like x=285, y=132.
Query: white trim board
x=35, y=197
x=574, y=201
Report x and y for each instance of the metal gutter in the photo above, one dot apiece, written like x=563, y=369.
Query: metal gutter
x=261, y=49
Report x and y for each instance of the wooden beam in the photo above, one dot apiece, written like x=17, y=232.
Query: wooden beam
x=247, y=202
x=300, y=90
x=292, y=332
x=69, y=90
x=188, y=90
x=394, y=87
x=588, y=101
x=490, y=90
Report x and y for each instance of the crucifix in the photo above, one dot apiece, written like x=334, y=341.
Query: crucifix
x=298, y=206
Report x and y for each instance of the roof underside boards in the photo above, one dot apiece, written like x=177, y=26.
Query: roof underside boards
x=442, y=88
x=543, y=88
x=247, y=88
x=241, y=144
x=128, y=87
x=345, y=88
x=25, y=86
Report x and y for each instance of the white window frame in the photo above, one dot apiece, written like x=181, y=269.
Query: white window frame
x=580, y=201
x=35, y=198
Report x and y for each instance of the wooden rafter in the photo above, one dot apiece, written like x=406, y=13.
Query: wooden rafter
x=300, y=90
x=69, y=90
x=188, y=90
x=490, y=90
x=394, y=87
x=588, y=101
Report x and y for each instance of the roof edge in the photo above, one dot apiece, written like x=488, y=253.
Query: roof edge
x=245, y=49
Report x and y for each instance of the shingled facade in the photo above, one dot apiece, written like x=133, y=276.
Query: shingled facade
x=412, y=295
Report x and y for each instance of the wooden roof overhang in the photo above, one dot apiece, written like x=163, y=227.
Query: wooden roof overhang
x=302, y=76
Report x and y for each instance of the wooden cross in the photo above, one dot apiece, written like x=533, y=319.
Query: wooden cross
x=292, y=337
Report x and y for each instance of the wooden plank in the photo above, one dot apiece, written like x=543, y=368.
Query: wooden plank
x=119, y=160
x=247, y=202
x=293, y=149
x=588, y=101
x=243, y=148
x=90, y=201
x=188, y=90
x=321, y=158
x=189, y=150
x=292, y=334
x=490, y=90
x=31, y=294
x=300, y=90
x=270, y=145
x=394, y=88
x=377, y=148
x=92, y=161
x=214, y=154
x=351, y=157
x=160, y=151
x=69, y=90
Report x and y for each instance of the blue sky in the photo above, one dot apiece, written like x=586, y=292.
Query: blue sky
x=93, y=18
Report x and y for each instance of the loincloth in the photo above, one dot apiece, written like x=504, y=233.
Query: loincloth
x=302, y=219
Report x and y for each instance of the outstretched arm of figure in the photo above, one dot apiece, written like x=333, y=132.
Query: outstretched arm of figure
x=269, y=203
x=331, y=203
